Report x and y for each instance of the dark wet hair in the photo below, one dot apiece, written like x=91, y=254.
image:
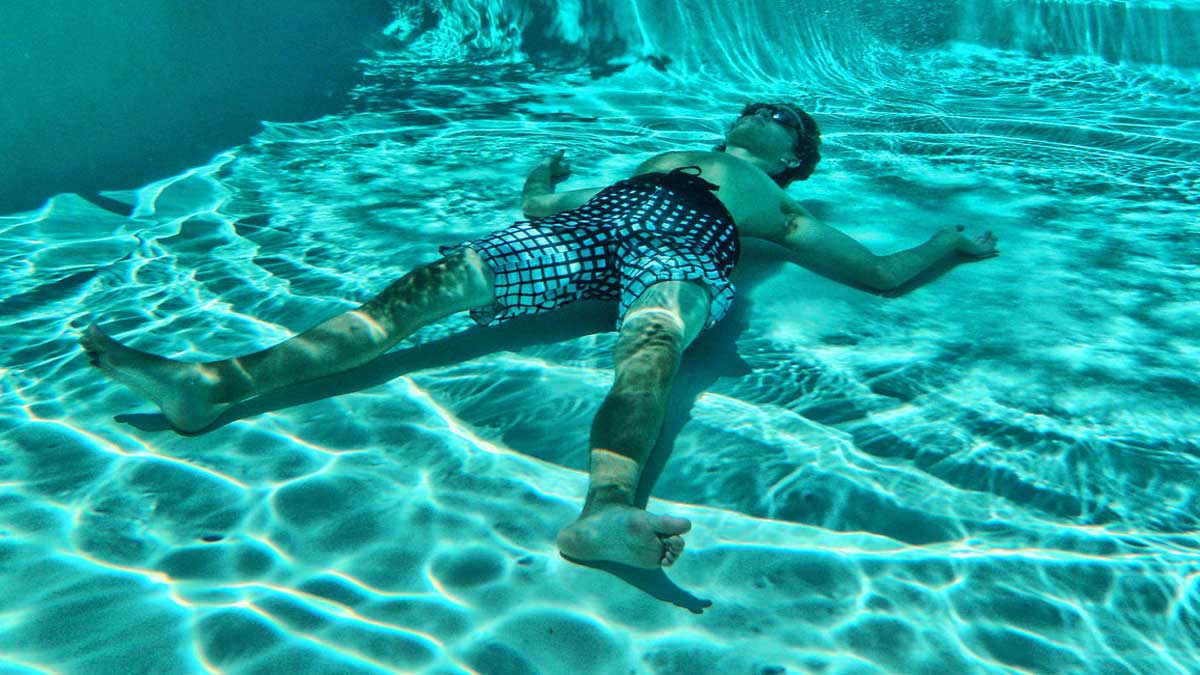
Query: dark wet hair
x=807, y=147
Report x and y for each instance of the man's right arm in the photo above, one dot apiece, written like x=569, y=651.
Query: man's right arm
x=538, y=198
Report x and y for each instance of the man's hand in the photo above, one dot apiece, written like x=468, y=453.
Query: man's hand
x=557, y=170
x=539, y=200
x=983, y=246
x=544, y=176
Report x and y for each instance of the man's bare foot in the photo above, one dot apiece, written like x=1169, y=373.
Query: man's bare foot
x=625, y=534
x=183, y=391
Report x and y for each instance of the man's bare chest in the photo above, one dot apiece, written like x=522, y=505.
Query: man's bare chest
x=750, y=196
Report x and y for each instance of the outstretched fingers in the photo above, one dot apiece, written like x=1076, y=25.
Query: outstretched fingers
x=980, y=247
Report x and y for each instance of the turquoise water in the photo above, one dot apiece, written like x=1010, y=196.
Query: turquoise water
x=993, y=472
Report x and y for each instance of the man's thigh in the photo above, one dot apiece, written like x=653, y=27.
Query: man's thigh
x=684, y=303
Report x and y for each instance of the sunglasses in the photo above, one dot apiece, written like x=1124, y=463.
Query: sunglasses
x=781, y=115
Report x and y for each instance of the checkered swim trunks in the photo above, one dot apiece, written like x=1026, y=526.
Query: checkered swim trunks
x=650, y=228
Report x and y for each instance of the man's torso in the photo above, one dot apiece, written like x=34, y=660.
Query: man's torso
x=758, y=206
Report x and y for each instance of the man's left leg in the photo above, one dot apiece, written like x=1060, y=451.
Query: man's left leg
x=192, y=395
x=656, y=329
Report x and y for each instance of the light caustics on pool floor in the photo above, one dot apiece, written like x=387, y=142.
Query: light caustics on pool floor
x=990, y=473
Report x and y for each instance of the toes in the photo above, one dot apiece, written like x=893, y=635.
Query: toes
x=88, y=340
x=672, y=549
x=89, y=349
x=93, y=338
x=667, y=526
x=93, y=355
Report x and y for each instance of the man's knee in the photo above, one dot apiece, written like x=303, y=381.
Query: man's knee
x=679, y=305
x=649, y=346
x=451, y=284
x=459, y=278
x=480, y=279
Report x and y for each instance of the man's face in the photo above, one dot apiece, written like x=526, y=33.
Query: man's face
x=773, y=130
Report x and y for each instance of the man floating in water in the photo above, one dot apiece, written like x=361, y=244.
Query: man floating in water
x=663, y=242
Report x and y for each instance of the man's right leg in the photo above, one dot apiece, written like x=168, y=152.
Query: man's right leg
x=192, y=395
x=655, y=330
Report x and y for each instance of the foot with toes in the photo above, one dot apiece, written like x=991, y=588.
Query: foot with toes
x=625, y=534
x=184, y=392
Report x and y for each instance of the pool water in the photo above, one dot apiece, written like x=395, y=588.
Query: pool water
x=991, y=471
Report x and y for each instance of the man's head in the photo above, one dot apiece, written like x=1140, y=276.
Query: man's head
x=780, y=133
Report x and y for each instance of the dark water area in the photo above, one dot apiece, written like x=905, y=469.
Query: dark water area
x=113, y=95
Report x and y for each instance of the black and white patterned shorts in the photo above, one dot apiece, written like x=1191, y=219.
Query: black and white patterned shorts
x=650, y=228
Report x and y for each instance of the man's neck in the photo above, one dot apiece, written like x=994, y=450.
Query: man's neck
x=767, y=167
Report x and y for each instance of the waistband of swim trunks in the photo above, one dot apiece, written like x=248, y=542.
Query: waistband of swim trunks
x=690, y=189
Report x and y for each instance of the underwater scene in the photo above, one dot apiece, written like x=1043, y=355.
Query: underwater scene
x=989, y=469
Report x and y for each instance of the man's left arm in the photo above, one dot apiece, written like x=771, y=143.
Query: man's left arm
x=824, y=248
